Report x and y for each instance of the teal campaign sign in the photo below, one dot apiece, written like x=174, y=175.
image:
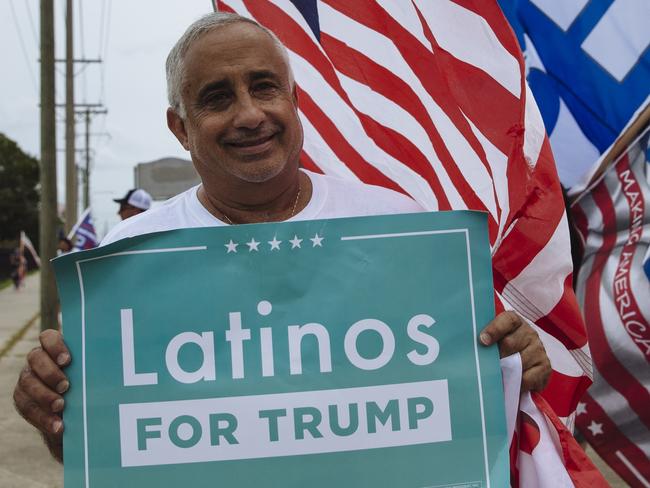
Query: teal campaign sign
x=323, y=353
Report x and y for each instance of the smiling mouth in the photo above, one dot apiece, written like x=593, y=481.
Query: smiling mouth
x=253, y=145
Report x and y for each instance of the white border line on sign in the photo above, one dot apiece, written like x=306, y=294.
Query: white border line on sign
x=83, y=331
x=464, y=231
x=471, y=291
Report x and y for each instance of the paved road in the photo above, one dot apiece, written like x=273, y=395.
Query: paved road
x=24, y=459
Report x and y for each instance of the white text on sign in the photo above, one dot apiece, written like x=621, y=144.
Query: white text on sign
x=284, y=424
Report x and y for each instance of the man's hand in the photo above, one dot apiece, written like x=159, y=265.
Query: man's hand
x=41, y=383
x=513, y=334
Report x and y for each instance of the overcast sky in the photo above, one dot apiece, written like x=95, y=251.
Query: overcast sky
x=133, y=38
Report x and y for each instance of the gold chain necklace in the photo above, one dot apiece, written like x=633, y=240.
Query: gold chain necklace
x=293, y=209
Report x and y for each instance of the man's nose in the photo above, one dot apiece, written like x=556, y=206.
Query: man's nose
x=249, y=114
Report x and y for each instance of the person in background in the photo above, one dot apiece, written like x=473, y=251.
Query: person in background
x=18, y=264
x=64, y=245
x=134, y=202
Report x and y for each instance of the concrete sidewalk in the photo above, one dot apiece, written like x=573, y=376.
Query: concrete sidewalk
x=24, y=460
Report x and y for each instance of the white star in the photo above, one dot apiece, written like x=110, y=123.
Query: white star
x=231, y=246
x=581, y=408
x=316, y=240
x=295, y=242
x=252, y=245
x=275, y=244
x=595, y=428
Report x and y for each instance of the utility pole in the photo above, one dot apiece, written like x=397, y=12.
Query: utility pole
x=87, y=167
x=88, y=112
x=70, y=160
x=48, y=212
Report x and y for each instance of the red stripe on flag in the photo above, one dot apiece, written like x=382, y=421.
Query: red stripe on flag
x=362, y=69
x=563, y=392
x=565, y=320
x=611, y=441
x=528, y=433
x=581, y=470
x=536, y=220
x=497, y=22
x=307, y=163
x=340, y=146
x=470, y=96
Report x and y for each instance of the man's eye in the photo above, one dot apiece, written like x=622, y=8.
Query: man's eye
x=217, y=99
x=265, y=87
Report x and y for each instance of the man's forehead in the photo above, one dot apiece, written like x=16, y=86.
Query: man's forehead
x=241, y=48
x=229, y=40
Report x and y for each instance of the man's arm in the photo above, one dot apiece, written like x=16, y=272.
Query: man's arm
x=38, y=393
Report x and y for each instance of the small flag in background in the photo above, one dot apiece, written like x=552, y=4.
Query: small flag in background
x=83, y=234
x=26, y=243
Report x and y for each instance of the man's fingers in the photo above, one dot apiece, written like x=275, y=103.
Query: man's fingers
x=39, y=393
x=533, y=354
x=43, y=419
x=52, y=343
x=535, y=378
x=503, y=324
x=517, y=341
x=41, y=365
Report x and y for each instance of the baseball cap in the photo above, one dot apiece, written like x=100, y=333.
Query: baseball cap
x=137, y=198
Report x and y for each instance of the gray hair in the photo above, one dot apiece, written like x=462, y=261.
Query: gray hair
x=175, y=60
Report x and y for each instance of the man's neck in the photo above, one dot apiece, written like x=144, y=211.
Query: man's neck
x=289, y=201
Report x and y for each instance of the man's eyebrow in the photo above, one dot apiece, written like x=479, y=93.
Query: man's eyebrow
x=260, y=74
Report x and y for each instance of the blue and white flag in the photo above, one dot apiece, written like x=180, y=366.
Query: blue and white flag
x=83, y=234
x=589, y=68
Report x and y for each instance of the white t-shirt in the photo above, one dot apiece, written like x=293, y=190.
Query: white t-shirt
x=331, y=198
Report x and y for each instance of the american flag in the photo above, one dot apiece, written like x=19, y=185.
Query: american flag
x=83, y=234
x=613, y=218
x=429, y=97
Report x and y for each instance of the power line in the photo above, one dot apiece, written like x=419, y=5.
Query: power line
x=102, y=16
x=81, y=29
x=23, y=47
x=104, y=39
x=31, y=23
x=108, y=26
x=83, y=49
x=106, y=35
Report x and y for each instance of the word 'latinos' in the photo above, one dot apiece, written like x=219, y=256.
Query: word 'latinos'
x=424, y=352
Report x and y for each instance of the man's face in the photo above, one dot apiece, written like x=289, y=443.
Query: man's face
x=127, y=211
x=241, y=120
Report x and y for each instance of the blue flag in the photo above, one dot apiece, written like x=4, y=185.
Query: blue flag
x=589, y=69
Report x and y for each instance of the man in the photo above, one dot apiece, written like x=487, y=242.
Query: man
x=64, y=246
x=233, y=106
x=133, y=203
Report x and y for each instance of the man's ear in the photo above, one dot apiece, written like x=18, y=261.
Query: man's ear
x=177, y=125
